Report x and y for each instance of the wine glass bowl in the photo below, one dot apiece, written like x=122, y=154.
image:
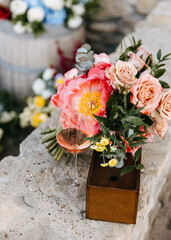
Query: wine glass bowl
x=72, y=138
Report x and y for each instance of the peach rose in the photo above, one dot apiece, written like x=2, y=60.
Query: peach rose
x=122, y=74
x=137, y=61
x=147, y=92
x=142, y=53
x=102, y=57
x=159, y=126
x=165, y=107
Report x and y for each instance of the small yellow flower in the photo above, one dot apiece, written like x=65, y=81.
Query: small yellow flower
x=60, y=80
x=100, y=149
x=98, y=144
x=38, y=118
x=39, y=101
x=104, y=164
x=104, y=141
x=112, y=162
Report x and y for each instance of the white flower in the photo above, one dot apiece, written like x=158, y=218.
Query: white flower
x=78, y=9
x=48, y=74
x=47, y=94
x=75, y=22
x=35, y=14
x=29, y=29
x=68, y=3
x=7, y=116
x=1, y=133
x=18, y=7
x=38, y=86
x=43, y=117
x=19, y=28
x=54, y=4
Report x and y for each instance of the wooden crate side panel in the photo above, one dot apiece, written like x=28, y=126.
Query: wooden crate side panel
x=112, y=204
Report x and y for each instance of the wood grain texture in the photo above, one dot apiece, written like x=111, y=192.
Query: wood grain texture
x=110, y=200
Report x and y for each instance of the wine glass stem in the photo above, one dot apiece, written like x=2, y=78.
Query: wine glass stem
x=75, y=171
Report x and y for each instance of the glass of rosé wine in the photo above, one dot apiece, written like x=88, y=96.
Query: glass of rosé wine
x=71, y=136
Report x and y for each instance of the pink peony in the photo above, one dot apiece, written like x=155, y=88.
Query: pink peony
x=102, y=58
x=122, y=74
x=165, y=107
x=81, y=97
x=147, y=92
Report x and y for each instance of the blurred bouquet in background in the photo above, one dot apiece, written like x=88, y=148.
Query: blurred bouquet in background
x=38, y=108
x=30, y=15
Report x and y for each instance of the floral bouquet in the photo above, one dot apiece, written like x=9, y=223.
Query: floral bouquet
x=30, y=15
x=38, y=108
x=122, y=104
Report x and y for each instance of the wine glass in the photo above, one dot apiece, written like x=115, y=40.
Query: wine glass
x=71, y=136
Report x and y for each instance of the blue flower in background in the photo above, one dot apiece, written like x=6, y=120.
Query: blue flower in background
x=34, y=3
x=55, y=17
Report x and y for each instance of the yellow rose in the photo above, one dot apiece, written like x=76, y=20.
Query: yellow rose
x=39, y=101
x=112, y=162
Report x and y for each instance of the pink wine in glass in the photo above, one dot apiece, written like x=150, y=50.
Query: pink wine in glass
x=73, y=140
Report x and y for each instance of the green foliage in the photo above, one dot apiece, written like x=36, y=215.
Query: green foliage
x=127, y=169
x=37, y=28
x=133, y=48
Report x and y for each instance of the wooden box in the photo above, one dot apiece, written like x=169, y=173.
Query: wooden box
x=111, y=197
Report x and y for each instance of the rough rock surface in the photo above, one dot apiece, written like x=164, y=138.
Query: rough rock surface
x=31, y=205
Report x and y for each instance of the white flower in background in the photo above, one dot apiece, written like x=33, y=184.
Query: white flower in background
x=19, y=28
x=38, y=86
x=54, y=4
x=78, y=9
x=7, y=116
x=48, y=74
x=47, y=94
x=18, y=7
x=35, y=14
x=68, y=3
x=1, y=133
x=75, y=22
x=43, y=117
x=29, y=29
x=25, y=117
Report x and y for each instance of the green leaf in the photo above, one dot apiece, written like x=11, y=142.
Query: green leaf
x=112, y=100
x=127, y=169
x=134, y=120
x=137, y=144
x=164, y=84
x=140, y=166
x=159, y=72
x=159, y=54
x=103, y=128
x=138, y=154
x=105, y=121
